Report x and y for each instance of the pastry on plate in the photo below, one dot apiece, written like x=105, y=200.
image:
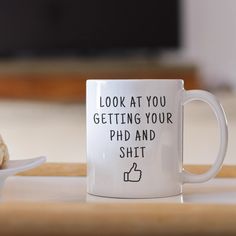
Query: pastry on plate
x=4, y=155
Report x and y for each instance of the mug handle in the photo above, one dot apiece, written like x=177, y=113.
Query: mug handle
x=211, y=100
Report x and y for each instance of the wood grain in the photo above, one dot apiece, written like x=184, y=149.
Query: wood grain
x=57, y=169
x=117, y=219
x=70, y=84
x=47, y=87
x=79, y=169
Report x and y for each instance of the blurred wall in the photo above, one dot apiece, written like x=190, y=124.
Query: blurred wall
x=209, y=39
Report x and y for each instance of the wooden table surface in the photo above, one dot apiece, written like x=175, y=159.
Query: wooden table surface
x=79, y=169
x=65, y=80
x=115, y=218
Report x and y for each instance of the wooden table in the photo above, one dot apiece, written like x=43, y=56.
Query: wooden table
x=115, y=218
x=65, y=80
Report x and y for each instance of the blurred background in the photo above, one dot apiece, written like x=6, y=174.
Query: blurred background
x=48, y=48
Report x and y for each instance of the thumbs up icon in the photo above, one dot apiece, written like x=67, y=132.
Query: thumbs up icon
x=133, y=175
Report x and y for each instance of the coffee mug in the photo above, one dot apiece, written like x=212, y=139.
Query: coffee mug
x=135, y=137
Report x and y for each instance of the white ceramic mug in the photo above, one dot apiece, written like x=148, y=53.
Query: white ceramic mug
x=135, y=137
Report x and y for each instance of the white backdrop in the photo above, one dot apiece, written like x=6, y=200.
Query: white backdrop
x=209, y=39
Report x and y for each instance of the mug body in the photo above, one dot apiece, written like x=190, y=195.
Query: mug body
x=134, y=138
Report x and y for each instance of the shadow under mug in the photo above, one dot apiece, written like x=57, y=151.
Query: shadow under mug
x=135, y=137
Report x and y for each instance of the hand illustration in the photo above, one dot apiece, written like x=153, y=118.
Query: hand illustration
x=133, y=175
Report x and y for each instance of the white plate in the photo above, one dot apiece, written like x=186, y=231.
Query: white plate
x=15, y=166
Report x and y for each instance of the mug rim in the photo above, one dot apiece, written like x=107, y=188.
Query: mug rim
x=181, y=81
x=128, y=79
